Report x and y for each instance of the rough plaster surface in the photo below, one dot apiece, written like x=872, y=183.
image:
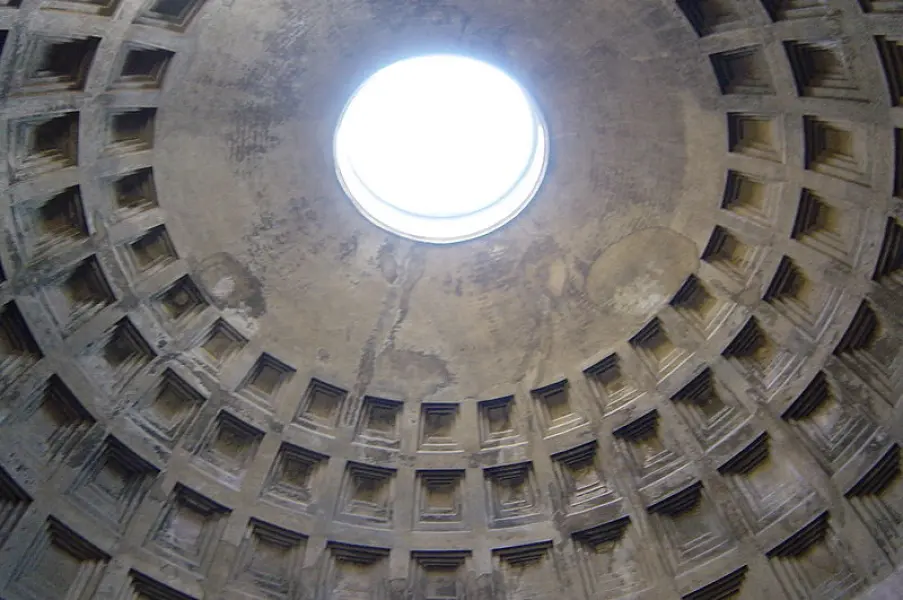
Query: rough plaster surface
x=675, y=375
x=326, y=275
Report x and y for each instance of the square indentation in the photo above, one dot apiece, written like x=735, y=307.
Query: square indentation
x=121, y=352
x=869, y=349
x=181, y=301
x=891, y=51
x=188, y=528
x=440, y=498
x=835, y=430
x=782, y=10
x=700, y=306
x=826, y=227
x=143, y=67
x=759, y=356
x=62, y=216
x=702, y=402
x=172, y=14
x=439, y=574
x=269, y=560
x=221, y=342
x=266, y=378
x=144, y=587
x=692, y=527
x=135, y=192
x=113, y=483
x=14, y=501
x=656, y=349
x=43, y=144
x=882, y=6
x=59, y=563
x=103, y=8
x=889, y=266
x=755, y=135
x=767, y=489
x=169, y=409
x=835, y=149
x=731, y=255
x=556, y=411
x=701, y=394
x=743, y=71
x=320, y=406
x=580, y=478
x=799, y=298
x=710, y=16
x=751, y=344
x=875, y=496
x=52, y=224
x=18, y=349
x=131, y=130
x=380, y=422
x=151, y=251
x=607, y=554
x=57, y=63
x=751, y=197
x=497, y=422
x=648, y=455
x=367, y=494
x=822, y=69
x=613, y=388
x=437, y=427
x=813, y=560
x=294, y=476
x=229, y=448
x=53, y=421
x=512, y=494
x=352, y=569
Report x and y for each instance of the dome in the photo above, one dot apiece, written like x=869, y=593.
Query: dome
x=669, y=368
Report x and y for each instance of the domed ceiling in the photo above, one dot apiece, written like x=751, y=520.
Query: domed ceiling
x=578, y=271
x=676, y=374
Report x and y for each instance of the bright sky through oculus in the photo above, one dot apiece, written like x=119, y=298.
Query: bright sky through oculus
x=440, y=148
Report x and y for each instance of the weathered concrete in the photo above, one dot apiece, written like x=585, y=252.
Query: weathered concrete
x=678, y=368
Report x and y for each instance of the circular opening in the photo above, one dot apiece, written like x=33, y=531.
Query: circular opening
x=440, y=148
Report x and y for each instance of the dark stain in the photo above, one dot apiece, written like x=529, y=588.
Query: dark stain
x=416, y=366
x=410, y=365
x=388, y=266
x=414, y=269
x=293, y=225
x=582, y=266
x=348, y=248
x=538, y=256
x=428, y=371
x=272, y=83
x=367, y=363
x=251, y=133
x=493, y=271
x=453, y=285
x=235, y=286
x=399, y=14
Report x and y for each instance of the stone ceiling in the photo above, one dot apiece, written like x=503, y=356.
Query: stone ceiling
x=675, y=375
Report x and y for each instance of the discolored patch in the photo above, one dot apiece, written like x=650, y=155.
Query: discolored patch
x=640, y=273
x=231, y=284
